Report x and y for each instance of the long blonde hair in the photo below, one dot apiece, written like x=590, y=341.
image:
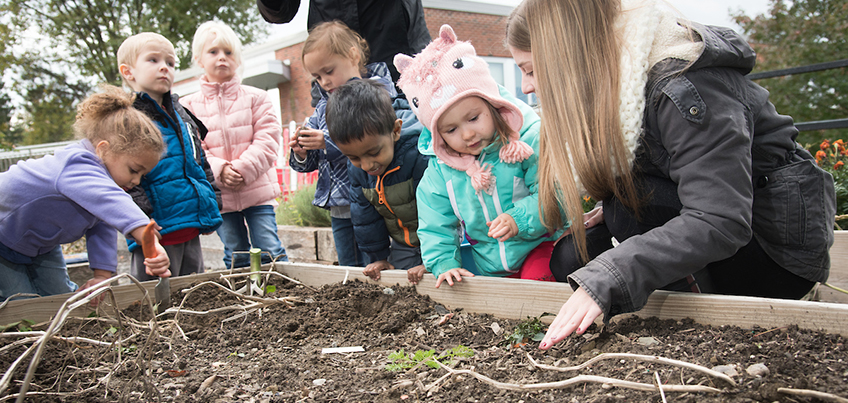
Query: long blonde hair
x=576, y=67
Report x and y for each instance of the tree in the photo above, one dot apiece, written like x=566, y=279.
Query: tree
x=83, y=38
x=800, y=33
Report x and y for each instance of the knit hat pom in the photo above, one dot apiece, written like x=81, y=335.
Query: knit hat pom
x=481, y=176
x=515, y=151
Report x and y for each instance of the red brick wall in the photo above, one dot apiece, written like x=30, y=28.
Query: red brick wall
x=486, y=32
x=295, y=98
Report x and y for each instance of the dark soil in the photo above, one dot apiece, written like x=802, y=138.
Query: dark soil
x=277, y=357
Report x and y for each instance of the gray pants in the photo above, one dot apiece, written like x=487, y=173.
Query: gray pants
x=404, y=257
x=186, y=258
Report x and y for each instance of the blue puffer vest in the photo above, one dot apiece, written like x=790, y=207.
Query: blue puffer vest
x=177, y=187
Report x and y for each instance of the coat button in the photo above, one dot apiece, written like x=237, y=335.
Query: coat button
x=694, y=111
x=762, y=182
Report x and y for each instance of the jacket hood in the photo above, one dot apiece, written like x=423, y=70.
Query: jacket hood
x=723, y=47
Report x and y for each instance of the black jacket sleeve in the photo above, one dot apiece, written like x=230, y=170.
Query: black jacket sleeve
x=278, y=11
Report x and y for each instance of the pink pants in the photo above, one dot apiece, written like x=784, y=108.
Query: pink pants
x=537, y=265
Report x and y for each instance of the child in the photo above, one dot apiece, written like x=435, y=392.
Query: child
x=241, y=146
x=178, y=193
x=333, y=54
x=80, y=190
x=483, y=181
x=381, y=143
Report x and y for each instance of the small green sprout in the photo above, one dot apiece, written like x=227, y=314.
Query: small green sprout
x=530, y=329
x=401, y=361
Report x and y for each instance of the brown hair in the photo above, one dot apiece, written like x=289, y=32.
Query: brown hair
x=337, y=38
x=109, y=115
x=578, y=88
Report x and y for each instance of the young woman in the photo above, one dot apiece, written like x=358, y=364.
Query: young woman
x=701, y=180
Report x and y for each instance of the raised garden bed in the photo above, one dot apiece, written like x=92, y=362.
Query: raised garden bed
x=273, y=352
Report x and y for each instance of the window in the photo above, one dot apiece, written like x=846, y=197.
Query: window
x=506, y=73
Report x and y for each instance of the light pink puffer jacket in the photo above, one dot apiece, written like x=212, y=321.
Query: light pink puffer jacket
x=244, y=131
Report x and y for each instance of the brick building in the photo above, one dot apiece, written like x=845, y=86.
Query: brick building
x=276, y=65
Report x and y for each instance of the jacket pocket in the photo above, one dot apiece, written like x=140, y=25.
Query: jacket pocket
x=793, y=205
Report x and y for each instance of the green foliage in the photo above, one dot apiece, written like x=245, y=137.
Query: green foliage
x=798, y=33
x=23, y=325
x=298, y=210
x=530, y=329
x=588, y=204
x=401, y=361
x=832, y=157
x=78, y=46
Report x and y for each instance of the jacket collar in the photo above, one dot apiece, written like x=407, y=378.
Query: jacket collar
x=211, y=89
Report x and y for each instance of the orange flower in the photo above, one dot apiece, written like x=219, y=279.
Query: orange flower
x=825, y=144
x=838, y=164
x=820, y=155
x=844, y=152
x=587, y=198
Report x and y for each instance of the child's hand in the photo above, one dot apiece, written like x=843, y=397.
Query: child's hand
x=451, y=275
x=415, y=274
x=230, y=177
x=373, y=270
x=158, y=266
x=99, y=277
x=503, y=227
x=311, y=139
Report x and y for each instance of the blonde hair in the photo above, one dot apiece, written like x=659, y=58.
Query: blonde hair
x=224, y=36
x=110, y=116
x=337, y=38
x=578, y=88
x=131, y=47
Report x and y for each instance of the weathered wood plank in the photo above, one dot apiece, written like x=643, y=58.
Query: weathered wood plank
x=517, y=299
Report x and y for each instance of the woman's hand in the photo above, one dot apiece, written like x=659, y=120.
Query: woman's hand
x=503, y=227
x=451, y=275
x=373, y=270
x=590, y=219
x=311, y=139
x=575, y=316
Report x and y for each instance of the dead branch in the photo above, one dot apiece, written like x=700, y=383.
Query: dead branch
x=570, y=382
x=649, y=358
x=77, y=300
x=813, y=393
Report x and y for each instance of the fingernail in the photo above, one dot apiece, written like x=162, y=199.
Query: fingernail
x=586, y=224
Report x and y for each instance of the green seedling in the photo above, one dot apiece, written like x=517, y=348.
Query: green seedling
x=401, y=361
x=270, y=289
x=531, y=329
x=23, y=325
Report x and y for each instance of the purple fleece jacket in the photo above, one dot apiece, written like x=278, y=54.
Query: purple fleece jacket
x=59, y=198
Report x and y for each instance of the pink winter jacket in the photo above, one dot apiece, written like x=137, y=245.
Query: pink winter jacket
x=244, y=131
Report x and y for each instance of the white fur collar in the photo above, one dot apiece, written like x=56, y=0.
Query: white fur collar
x=650, y=32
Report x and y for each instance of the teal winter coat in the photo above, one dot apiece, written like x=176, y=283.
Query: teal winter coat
x=449, y=208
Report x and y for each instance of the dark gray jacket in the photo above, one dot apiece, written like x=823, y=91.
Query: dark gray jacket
x=739, y=173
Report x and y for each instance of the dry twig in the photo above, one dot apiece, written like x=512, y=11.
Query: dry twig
x=813, y=393
x=569, y=382
x=650, y=358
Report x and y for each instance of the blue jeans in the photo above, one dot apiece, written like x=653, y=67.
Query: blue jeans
x=262, y=226
x=46, y=275
x=346, y=248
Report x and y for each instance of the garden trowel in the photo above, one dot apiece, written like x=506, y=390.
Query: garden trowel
x=163, y=294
